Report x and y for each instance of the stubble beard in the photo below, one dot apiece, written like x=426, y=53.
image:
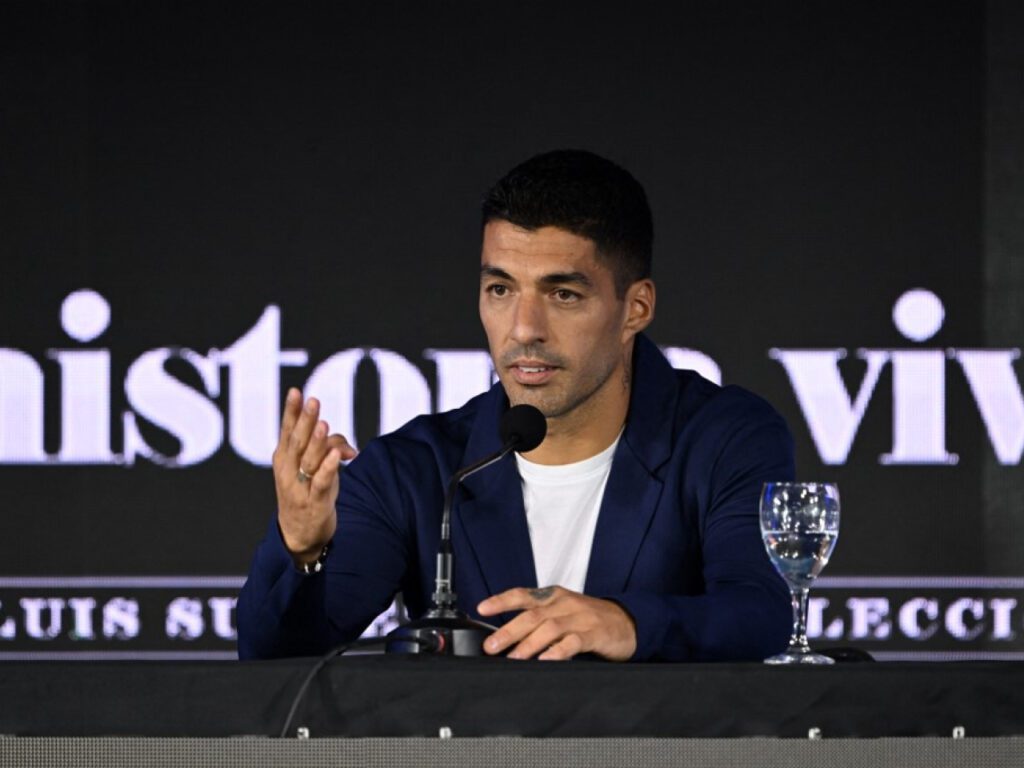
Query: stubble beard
x=562, y=402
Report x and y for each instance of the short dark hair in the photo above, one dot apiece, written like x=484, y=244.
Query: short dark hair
x=587, y=195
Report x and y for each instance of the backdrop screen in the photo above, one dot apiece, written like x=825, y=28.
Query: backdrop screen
x=202, y=205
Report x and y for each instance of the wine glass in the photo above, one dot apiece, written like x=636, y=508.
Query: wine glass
x=799, y=525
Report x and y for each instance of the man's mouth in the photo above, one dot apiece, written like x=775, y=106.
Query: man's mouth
x=532, y=373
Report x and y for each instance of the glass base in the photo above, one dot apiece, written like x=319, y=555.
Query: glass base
x=794, y=656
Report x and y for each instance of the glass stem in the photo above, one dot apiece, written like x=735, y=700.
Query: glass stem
x=798, y=642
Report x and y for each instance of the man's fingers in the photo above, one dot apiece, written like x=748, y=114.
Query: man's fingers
x=292, y=408
x=316, y=449
x=343, y=447
x=514, y=631
x=557, y=623
x=547, y=633
x=569, y=646
x=530, y=601
x=518, y=599
x=319, y=445
x=300, y=434
x=326, y=474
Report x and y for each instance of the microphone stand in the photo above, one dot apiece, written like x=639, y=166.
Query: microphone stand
x=447, y=630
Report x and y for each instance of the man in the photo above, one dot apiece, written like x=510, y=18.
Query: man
x=631, y=532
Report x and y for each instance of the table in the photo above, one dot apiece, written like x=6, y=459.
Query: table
x=387, y=709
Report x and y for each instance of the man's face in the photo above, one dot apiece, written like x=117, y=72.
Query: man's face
x=557, y=331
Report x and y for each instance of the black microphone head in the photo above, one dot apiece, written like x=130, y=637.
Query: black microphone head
x=524, y=427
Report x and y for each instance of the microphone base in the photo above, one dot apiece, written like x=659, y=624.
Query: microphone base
x=451, y=633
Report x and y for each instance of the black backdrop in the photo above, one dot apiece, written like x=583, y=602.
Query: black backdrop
x=215, y=169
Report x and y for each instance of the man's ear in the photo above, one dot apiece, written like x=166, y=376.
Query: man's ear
x=640, y=298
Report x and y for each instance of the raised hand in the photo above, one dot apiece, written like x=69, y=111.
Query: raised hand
x=306, y=477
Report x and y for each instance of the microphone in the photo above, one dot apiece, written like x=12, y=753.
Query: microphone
x=451, y=631
x=522, y=429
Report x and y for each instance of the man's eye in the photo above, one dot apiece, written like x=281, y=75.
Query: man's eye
x=497, y=290
x=564, y=295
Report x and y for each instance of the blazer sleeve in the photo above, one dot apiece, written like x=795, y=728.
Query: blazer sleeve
x=285, y=612
x=744, y=612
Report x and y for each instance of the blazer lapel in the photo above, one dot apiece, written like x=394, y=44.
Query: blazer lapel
x=633, y=490
x=494, y=521
x=630, y=499
x=489, y=510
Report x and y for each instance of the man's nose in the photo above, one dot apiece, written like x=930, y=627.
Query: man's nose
x=529, y=323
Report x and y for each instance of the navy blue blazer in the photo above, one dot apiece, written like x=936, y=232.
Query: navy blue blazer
x=677, y=542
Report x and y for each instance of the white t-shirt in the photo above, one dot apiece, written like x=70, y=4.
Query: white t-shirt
x=562, y=503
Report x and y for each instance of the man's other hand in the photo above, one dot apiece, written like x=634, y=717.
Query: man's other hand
x=306, y=477
x=556, y=623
